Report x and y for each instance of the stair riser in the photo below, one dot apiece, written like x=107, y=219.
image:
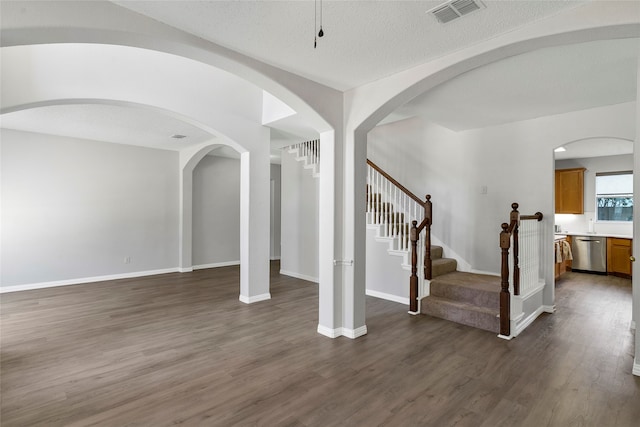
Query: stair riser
x=436, y=252
x=477, y=297
x=443, y=266
x=475, y=319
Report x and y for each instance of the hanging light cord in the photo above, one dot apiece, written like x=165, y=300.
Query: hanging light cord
x=321, y=33
x=315, y=23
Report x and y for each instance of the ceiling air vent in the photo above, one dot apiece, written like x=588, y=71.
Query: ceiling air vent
x=455, y=9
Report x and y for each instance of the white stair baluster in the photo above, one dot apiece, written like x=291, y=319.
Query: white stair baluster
x=393, y=220
x=369, y=189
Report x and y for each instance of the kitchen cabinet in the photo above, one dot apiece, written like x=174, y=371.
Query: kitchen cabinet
x=570, y=191
x=565, y=265
x=618, y=256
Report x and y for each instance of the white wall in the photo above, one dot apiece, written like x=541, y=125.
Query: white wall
x=385, y=276
x=580, y=223
x=429, y=159
x=514, y=161
x=216, y=212
x=300, y=213
x=636, y=242
x=76, y=208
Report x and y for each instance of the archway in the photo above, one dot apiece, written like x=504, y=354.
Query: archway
x=298, y=92
x=71, y=83
x=371, y=103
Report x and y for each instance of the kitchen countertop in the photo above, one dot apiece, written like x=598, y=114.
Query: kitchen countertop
x=571, y=233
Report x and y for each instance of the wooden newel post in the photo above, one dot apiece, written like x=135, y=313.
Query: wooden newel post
x=505, y=298
x=413, y=281
x=428, y=214
x=515, y=219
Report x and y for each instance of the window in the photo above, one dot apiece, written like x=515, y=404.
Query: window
x=614, y=196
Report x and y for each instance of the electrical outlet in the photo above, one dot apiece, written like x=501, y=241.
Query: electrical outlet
x=127, y=260
x=483, y=189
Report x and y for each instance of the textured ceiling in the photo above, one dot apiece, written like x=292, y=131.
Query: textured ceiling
x=540, y=83
x=595, y=147
x=364, y=40
x=109, y=123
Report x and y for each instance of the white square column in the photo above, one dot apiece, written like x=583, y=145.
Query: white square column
x=255, y=221
x=342, y=238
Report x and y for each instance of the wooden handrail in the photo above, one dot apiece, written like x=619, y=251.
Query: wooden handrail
x=394, y=182
x=508, y=230
x=537, y=216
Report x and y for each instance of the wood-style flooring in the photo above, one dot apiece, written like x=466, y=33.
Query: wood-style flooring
x=181, y=349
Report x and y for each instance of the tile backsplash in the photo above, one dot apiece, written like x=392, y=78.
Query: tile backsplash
x=579, y=224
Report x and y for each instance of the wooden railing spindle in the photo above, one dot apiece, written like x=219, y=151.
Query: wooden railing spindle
x=505, y=297
x=427, y=238
x=413, y=281
x=515, y=220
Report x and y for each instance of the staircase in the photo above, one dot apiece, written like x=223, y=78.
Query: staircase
x=466, y=298
x=309, y=153
x=392, y=230
x=476, y=300
x=390, y=210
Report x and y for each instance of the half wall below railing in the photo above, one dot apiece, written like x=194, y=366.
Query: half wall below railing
x=524, y=234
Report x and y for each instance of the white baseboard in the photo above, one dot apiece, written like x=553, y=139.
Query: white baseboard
x=255, y=298
x=486, y=273
x=328, y=332
x=505, y=337
x=519, y=327
x=300, y=276
x=337, y=332
x=636, y=366
x=185, y=269
x=388, y=297
x=273, y=258
x=216, y=265
x=354, y=333
x=549, y=308
x=83, y=280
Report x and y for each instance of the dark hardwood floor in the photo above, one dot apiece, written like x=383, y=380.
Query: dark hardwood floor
x=181, y=349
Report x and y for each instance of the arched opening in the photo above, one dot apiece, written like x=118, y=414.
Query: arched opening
x=598, y=156
x=216, y=210
x=490, y=164
x=593, y=224
x=229, y=127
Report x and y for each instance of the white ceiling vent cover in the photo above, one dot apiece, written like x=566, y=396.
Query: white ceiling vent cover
x=455, y=9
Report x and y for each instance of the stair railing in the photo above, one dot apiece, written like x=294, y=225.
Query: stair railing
x=525, y=275
x=392, y=206
x=416, y=230
x=310, y=150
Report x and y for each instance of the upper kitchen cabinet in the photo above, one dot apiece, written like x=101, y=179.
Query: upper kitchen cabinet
x=570, y=191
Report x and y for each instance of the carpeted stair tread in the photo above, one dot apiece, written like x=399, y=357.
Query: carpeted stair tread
x=477, y=281
x=462, y=312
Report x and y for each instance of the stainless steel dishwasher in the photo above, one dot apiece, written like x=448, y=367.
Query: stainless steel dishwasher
x=589, y=254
